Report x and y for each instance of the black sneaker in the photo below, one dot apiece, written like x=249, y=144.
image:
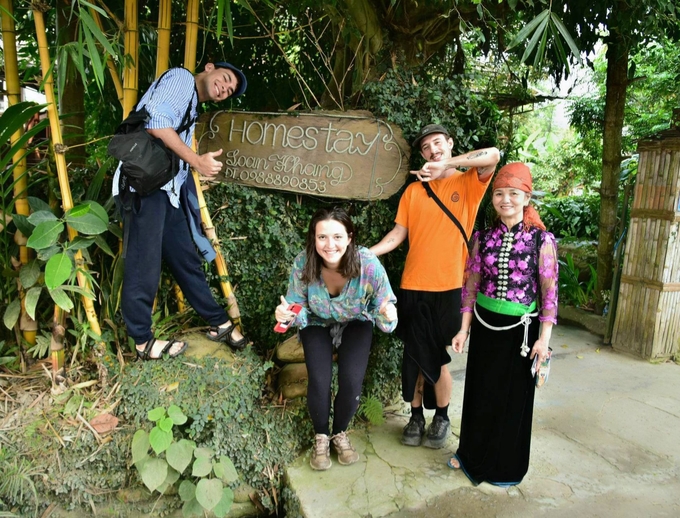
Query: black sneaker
x=413, y=431
x=437, y=433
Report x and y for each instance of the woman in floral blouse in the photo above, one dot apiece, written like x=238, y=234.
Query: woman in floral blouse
x=343, y=290
x=510, y=287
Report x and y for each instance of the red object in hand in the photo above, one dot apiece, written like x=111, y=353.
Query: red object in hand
x=282, y=327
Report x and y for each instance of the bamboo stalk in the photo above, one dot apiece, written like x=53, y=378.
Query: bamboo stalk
x=130, y=72
x=113, y=71
x=62, y=175
x=208, y=228
x=27, y=325
x=164, y=24
x=191, y=36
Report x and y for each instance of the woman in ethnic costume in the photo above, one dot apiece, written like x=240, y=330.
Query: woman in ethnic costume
x=344, y=291
x=510, y=279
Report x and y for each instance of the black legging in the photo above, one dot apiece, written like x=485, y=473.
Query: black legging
x=352, y=361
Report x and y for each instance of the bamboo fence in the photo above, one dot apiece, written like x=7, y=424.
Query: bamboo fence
x=647, y=318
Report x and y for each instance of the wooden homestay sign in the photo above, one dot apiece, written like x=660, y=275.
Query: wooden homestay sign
x=351, y=155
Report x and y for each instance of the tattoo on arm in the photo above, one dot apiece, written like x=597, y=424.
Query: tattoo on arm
x=476, y=154
x=391, y=240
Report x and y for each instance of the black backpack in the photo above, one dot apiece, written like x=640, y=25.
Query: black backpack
x=146, y=163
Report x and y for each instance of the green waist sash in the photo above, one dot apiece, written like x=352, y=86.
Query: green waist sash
x=505, y=307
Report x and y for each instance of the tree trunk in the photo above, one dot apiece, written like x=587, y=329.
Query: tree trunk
x=72, y=98
x=617, y=82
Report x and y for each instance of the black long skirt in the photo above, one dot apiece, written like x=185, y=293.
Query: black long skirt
x=498, y=403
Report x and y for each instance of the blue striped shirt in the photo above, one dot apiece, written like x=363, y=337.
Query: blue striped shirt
x=167, y=104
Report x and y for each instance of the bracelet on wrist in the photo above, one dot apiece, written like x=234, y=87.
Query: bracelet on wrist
x=466, y=331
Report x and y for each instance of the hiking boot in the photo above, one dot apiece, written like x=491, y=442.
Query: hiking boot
x=321, y=453
x=346, y=453
x=437, y=433
x=413, y=431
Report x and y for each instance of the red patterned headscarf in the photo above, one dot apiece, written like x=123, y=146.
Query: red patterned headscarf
x=518, y=176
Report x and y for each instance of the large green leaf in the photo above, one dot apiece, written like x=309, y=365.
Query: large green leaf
x=165, y=424
x=224, y=505
x=154, y=471
x=57, y=270
x=156, y=414
x=226, y=470
x=209, y=492
x=29, y=274
x=12, y=313
x=61, y=299
x=204, y=452
x=175, y=413
x=567, y=37
x=179, y=454
x=192, y=508
x=31, y=301
x=23, y=224
x=89, y=224
x=171, y=478
x=187, y=491
x=160, y=439
x=38, y=204
x=41, y=216
x=45, y=235
x=140, y=446
x=101, y=243
x=202, y=467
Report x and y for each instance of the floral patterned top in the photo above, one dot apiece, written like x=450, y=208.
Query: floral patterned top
x=503, y=266
x=360, y=299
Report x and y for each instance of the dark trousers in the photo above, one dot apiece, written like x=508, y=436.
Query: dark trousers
x=352, y=361
x=158, y=231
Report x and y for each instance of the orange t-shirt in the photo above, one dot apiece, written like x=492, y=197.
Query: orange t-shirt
x=437, y=250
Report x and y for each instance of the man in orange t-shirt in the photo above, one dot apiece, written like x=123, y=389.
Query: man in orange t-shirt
x=429, y=300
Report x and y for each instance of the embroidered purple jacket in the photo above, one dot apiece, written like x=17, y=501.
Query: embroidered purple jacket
x=503, y=264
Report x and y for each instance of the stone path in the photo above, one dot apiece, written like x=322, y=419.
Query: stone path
x=606, y=442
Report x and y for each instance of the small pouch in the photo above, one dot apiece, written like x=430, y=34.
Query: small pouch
x=542, y=371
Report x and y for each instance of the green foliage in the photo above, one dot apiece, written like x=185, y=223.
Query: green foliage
x=372, y=409
x=223, y=415
x=572, y=216
x=16, y=484
x=45, y=231
x=572, y=289
x=413, y=101
x=205, y=489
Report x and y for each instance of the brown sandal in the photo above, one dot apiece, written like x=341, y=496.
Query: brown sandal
x=223, y=334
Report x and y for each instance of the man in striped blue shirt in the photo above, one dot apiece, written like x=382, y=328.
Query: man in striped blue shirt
x=157, y=226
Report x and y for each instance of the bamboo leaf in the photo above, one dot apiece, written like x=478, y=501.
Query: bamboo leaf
x=96, y=8
x=528, y=29
x=95, y=58
x=81, y=291
x=31, y=301
x=567, y=37
x=57, y=270
x=94, y=29
x=29, y=274
x=14, y=118
x=538, y=58
x=12, y=313
x=45, y=234
x=61, y=299
x=534, y=39
x=230, y=21
x=220, y=15
x=560, y=48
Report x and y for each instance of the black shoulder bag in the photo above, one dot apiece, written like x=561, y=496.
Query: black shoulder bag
x=453, y=218
x=146, y=163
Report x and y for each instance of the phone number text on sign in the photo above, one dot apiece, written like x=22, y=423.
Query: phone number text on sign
x=286, y=171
